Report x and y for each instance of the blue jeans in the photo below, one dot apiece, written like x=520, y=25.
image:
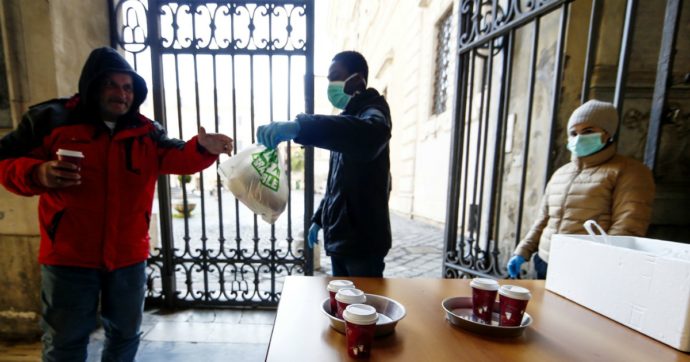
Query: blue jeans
x=70, y=296
x=540, y=266
x=360, y=266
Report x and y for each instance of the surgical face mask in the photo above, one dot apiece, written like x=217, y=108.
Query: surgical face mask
x=585, y=144
x=336, y=93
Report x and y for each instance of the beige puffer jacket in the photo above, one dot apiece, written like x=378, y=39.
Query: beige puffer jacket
x=615, y=191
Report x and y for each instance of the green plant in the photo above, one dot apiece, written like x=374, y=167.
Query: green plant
x=184, y=179
x=297, y=160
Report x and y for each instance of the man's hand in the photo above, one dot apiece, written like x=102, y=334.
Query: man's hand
x=215, y=143
x=313, y=237
x=58, y=174
x=272, y=134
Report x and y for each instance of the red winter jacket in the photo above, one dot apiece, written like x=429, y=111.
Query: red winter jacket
x=104, y=221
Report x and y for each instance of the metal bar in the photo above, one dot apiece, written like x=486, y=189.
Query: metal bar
x=590, y=58
x=270, y=110
x=662, y=84
x=456, y=152
x=465, y=162
x=456, y=155
x=487, y=121
x=556, y=92
x=221, y=231
x=203, y=256
x=240, y=2
x=183, y=185
x=252, y=121
x=528, y=126
x=478, y=156
x=496, y=194
x=113, y=25
x=238, y=238
x=309, y=151
x=469, y=271
x=289, y=155
x=518, y=22
x=624, y=58
x=167, y=240
x=232, y=51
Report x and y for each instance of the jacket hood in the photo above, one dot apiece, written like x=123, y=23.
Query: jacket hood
x=106, y=60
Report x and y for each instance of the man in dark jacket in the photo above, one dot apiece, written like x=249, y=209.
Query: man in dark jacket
x=94, y=217
x=354, y=211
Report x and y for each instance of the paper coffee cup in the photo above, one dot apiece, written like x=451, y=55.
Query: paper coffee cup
x=333, y=287
x=483, y=298
x=348, y=296
x=484, y=283
x=75, y=157
x=360, y=327
x=513, y=300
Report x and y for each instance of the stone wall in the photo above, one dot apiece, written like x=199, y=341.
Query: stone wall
x=398, y=38
x=401, y=57
x=672, y=173
x=45, y=45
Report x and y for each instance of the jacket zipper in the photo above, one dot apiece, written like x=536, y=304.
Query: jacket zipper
x=104, y=232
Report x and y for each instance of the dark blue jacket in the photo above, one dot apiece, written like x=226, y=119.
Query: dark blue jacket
x=354, y=210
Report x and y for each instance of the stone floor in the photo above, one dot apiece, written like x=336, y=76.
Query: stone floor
x=243, y=335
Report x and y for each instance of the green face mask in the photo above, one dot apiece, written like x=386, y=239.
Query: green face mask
x=585, y=144
x=336, y=93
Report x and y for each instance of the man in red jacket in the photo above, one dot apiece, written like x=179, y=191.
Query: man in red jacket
x=94, y=215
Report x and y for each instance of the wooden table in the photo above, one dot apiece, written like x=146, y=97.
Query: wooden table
x=561, y=330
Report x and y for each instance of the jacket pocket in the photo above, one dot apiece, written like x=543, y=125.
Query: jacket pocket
x=338, y=220
x=52, y=227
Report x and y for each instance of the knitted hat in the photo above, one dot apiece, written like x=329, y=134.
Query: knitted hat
x=597, y=113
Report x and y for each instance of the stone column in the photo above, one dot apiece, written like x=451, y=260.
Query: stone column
x=45, y=46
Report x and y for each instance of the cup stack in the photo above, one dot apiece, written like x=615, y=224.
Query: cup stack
x=333, y=287
x=348, y=296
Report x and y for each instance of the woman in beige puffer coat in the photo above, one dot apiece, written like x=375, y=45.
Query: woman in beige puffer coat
x=598, y=184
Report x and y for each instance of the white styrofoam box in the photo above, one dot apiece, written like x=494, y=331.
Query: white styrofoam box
x=639, y=282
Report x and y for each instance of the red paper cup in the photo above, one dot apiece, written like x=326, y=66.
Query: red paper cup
x=75, y=157
x=513, y=301
x=333, y=287
x=348, y=296
x=360, y=326
x=483, y=297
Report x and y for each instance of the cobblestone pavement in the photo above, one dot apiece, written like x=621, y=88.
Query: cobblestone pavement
x=416, y=252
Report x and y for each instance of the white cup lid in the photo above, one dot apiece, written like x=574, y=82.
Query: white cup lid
x=360, y=314
x=335, y=285
x=515, y=292
x=484, y=283
x=350, y=296
x=69, y=153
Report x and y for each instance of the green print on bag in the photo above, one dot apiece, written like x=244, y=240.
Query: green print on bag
x=266, y=165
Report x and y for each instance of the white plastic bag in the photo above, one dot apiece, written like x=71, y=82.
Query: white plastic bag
x=256, y=176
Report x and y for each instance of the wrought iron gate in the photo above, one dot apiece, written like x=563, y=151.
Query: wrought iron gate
x=489, y=146
x=228, y=66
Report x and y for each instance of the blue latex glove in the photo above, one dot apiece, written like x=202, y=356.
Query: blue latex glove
x=271, y=135
x=514, y=266
x=313, y=237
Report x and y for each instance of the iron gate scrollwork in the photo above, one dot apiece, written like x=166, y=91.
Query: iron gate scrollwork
x=228, y=66
x=484, y=75
x=496, y=160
